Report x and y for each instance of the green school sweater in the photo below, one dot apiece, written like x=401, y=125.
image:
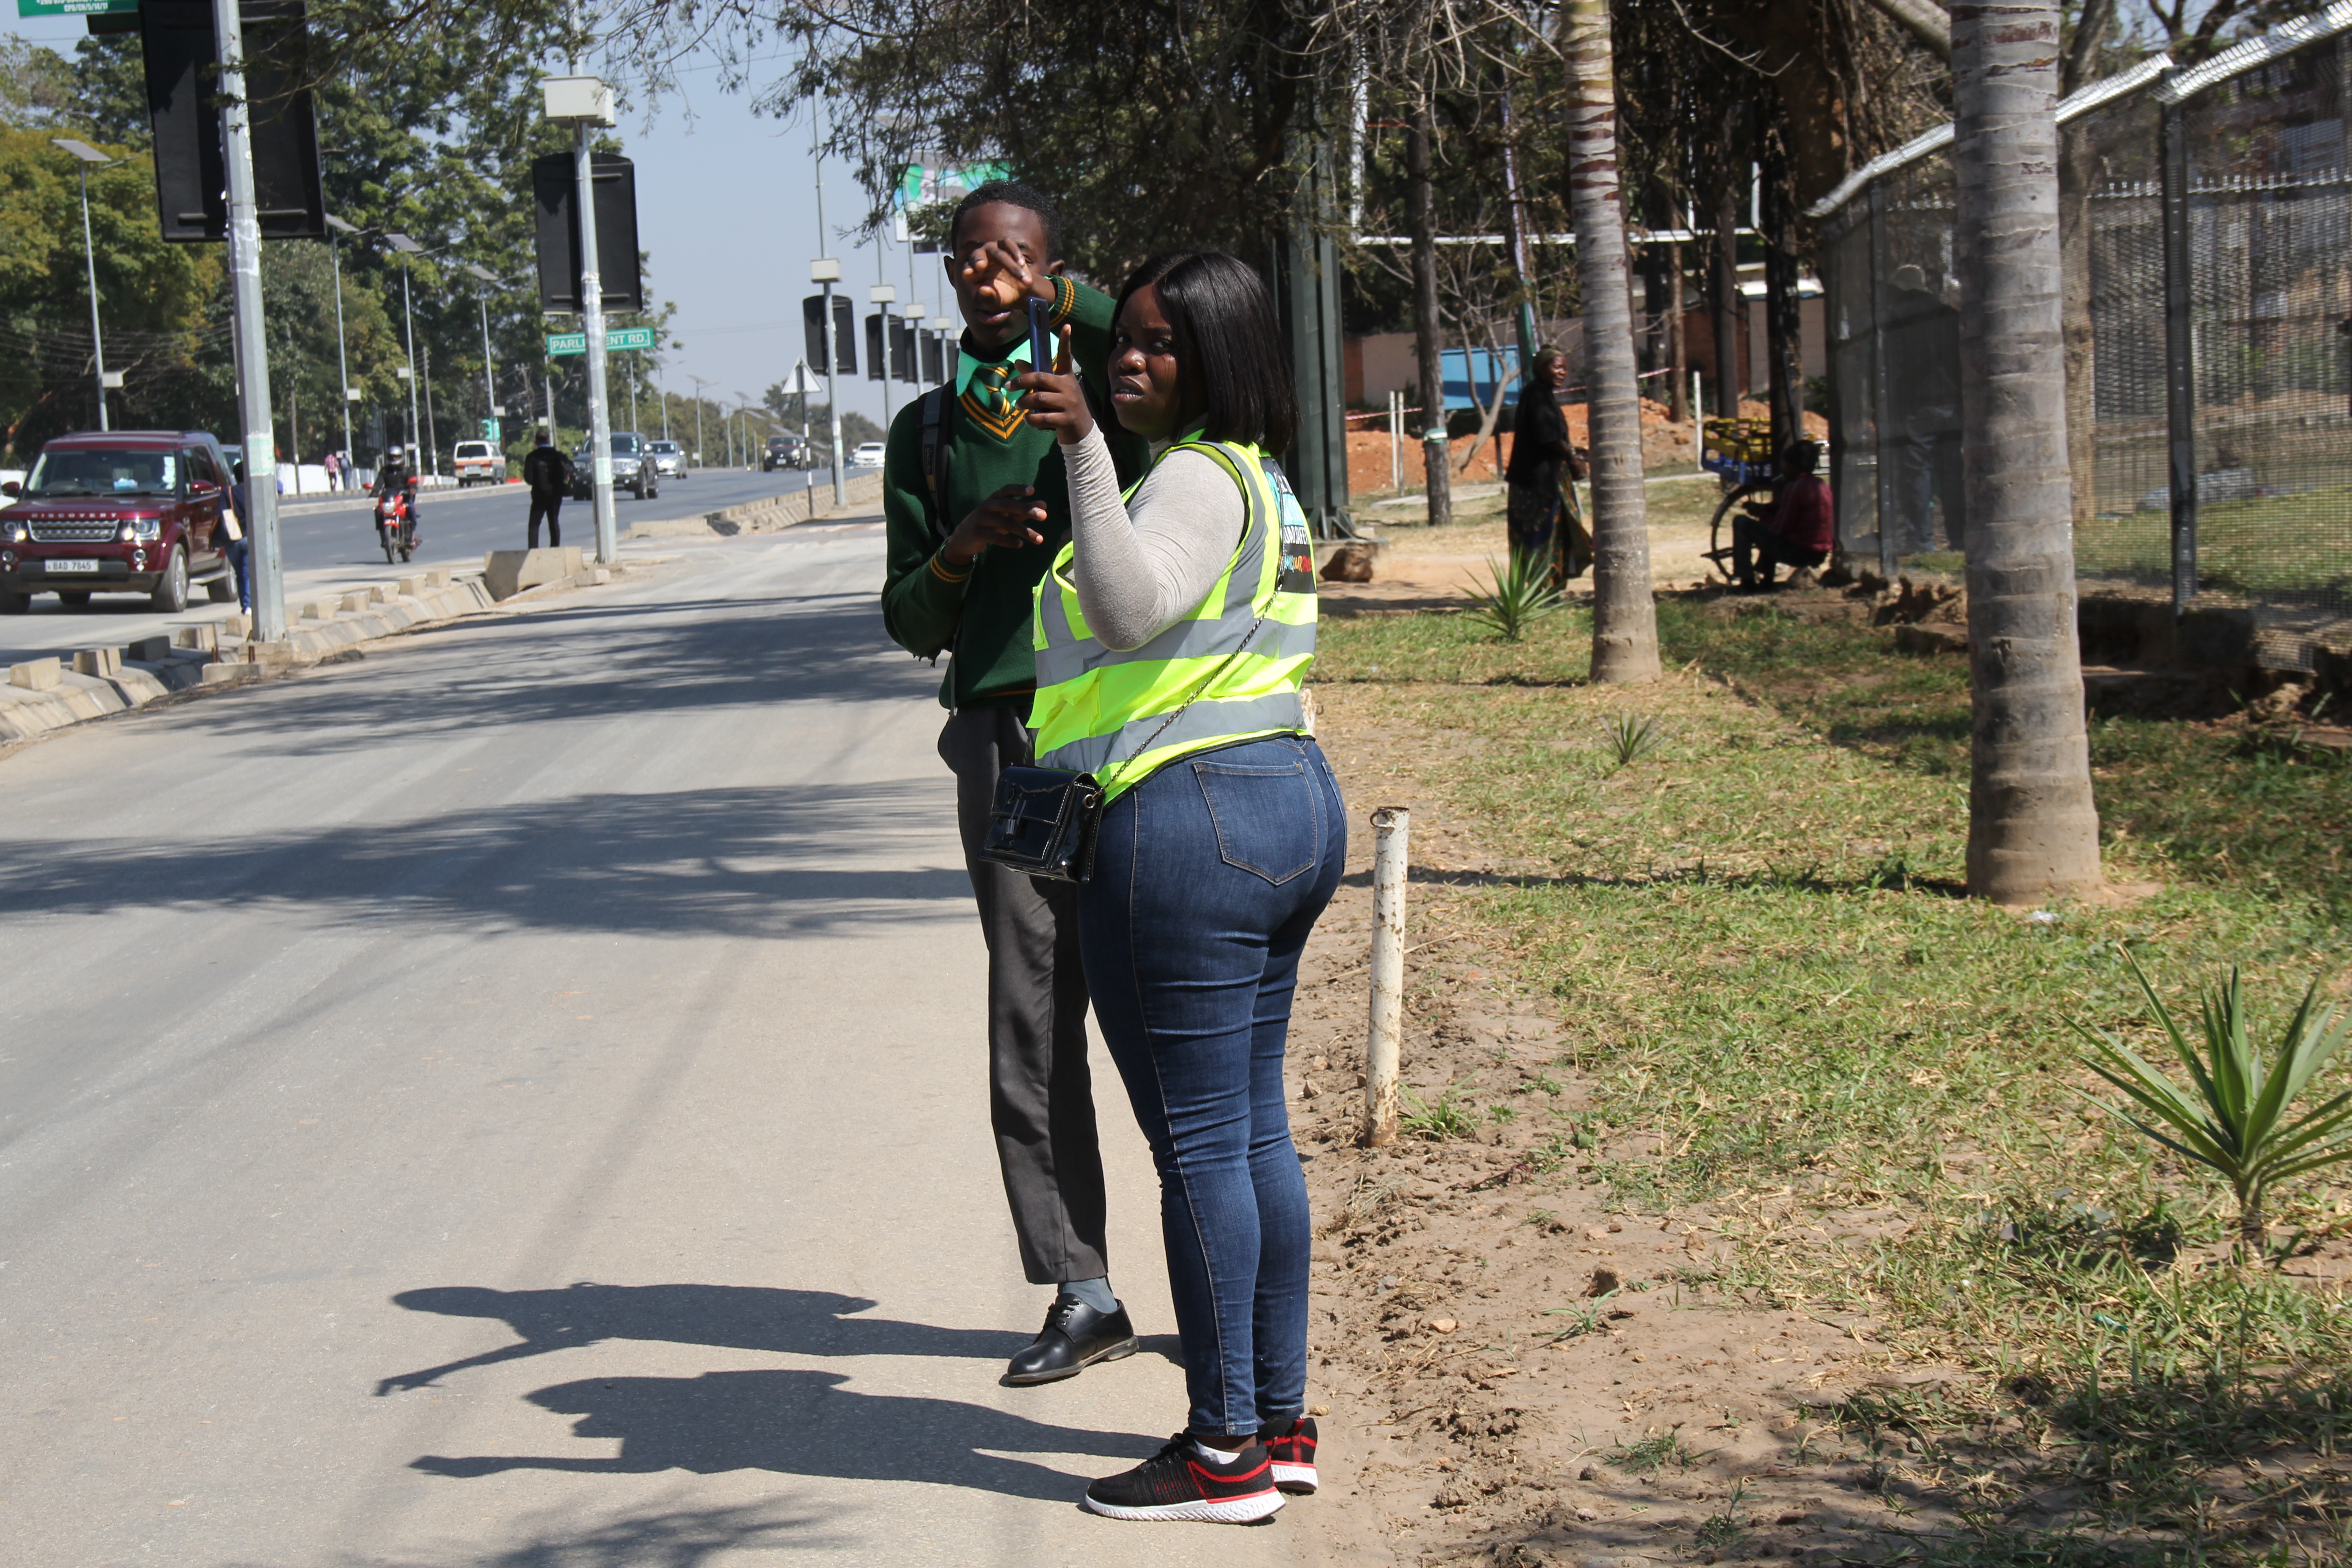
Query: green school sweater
x=981, y=615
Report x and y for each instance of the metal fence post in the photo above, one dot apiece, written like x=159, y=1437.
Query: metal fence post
x=1384, y=1051
x=2179, y=356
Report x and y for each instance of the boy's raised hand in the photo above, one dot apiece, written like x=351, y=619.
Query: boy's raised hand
x=1006, y=519
x=1055, y=400
x=999, y=267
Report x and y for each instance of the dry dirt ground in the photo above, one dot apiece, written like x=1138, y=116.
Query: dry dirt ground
x=1519, y=1374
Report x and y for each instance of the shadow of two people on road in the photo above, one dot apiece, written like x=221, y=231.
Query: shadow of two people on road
x=791, y=1422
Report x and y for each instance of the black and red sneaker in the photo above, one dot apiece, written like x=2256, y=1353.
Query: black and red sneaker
x=1292, y=1449
x=1178, y=1483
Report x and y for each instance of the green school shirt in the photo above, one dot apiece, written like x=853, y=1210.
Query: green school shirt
x=981, y=615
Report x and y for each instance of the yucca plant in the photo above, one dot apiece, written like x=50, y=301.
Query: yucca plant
x=1520, y=595
x=2236, y=1121
x=1632, y=737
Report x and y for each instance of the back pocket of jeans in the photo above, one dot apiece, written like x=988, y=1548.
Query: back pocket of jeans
x=1265, y=817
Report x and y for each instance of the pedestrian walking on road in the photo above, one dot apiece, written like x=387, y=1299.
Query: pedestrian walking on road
x=334, y=467
x=1173, y=635
x=975, y=500
x=548, y=472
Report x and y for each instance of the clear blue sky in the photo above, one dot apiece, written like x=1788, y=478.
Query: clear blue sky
x=727, y=210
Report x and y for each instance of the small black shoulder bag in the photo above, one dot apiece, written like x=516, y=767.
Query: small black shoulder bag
x=1045, y=821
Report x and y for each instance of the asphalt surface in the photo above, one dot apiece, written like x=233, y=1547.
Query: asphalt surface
x=329, y=547
x=458, y=526
x=518, y=1098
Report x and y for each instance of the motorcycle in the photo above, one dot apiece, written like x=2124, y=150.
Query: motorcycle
x=395, y=525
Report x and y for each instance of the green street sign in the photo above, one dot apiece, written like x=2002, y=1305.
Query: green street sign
x=77, y=7
x=617, y=340
x=490, y=430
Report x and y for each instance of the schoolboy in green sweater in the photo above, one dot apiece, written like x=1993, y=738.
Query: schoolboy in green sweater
x=971, y=532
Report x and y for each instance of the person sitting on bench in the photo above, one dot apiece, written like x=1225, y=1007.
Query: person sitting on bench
x=1796, y=529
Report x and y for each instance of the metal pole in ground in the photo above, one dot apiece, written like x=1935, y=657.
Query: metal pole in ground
x=591, y=319
x=253, y=421
x=1385, y=1049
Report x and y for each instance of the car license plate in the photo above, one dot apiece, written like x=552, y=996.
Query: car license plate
x=73, y=565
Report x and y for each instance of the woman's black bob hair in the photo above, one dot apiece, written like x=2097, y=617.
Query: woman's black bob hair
x=1229, y=347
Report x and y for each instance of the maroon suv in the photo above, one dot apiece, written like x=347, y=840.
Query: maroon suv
x=132, y=512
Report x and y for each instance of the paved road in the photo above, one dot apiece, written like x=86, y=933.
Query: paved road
x=516, y=1099
x=331, y=547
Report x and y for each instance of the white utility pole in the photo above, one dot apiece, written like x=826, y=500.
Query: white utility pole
x=825, y=269
x=84, y=156
x=254, y=416
x=408, y=248
x=342, y=361
x=490, y=370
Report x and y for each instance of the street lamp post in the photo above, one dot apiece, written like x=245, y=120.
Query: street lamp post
x=489, y=373
x=342, y=361
x=256, y=427
x=698, y=384
x=408, y=248
x=826, y=270
x=84, y=156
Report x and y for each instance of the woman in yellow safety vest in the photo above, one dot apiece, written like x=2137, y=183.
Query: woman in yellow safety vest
x=1172, y=635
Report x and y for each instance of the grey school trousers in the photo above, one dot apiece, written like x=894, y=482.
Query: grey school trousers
x=1041, y=1098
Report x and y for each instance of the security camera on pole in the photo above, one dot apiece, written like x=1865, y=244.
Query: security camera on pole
x=585, y=101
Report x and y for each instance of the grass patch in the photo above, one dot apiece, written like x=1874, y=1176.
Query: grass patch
x=1754, y=940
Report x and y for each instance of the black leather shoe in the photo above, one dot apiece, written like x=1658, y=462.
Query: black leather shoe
x=1074, y=1337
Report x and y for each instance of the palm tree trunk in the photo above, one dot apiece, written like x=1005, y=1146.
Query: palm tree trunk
x=1625, y=615
x=2032, y=830
x=1421, y=214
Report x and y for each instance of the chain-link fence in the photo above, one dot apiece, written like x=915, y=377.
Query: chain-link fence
x=2206, y=221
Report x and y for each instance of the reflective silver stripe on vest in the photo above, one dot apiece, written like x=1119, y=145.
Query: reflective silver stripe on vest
x=1185, y=639
x=1067, y=655
x=1206, y=720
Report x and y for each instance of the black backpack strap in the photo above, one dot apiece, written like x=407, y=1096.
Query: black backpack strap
x=931, y=443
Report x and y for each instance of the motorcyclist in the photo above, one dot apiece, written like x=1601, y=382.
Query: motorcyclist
x=397, y=476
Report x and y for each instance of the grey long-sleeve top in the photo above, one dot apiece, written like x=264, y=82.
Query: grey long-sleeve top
x=1138, y=569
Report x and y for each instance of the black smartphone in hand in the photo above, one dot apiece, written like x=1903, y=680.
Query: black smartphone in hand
x=1041, y=337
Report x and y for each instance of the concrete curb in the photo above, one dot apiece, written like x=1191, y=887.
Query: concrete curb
x=42, y=696
x=763, y=516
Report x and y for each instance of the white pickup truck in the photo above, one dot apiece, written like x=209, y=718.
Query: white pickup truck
x=481, y=463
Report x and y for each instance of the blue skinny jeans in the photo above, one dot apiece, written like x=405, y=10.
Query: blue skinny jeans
x=1209, y=876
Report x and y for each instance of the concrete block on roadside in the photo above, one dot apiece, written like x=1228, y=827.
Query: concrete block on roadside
x=354, y=602
x=239, y=626
x=269, y=654
x=203, y=639
x=439, y=577
x=506, y=573
x=148, y=650
x=317, y=610
x=36, y=674
x=232, y=674
x=410, y=587
x=377, y=596
x=97, y=661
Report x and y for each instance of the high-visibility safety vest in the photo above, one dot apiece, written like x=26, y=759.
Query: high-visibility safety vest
x=1106, y=711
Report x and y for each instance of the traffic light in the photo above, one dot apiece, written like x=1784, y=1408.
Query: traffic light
x=555, y=185
x=844, y=333
x=180, y=50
